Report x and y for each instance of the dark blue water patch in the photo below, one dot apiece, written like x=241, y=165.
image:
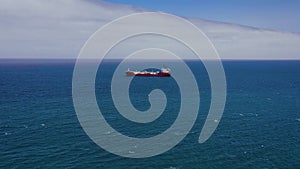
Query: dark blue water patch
x=260, y=127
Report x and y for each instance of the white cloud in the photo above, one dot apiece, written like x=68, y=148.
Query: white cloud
x=235, y=41
x=58, y=29
x=34, y=28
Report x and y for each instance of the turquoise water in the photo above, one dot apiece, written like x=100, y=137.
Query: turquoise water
x=260, y=127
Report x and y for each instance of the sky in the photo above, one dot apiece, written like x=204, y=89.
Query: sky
x=59, y=29
x=280, y=15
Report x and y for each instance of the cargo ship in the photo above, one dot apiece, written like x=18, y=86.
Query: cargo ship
x=163, y=72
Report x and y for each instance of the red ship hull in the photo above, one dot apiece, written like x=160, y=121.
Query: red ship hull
x=157, y=74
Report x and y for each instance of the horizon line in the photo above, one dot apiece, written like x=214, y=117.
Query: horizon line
x=157, y=59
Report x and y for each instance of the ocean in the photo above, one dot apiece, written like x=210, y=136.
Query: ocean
x=260, y=127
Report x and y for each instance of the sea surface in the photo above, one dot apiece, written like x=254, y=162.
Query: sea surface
x=260, y=127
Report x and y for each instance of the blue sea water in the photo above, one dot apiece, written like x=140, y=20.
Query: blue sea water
x=260, y=127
